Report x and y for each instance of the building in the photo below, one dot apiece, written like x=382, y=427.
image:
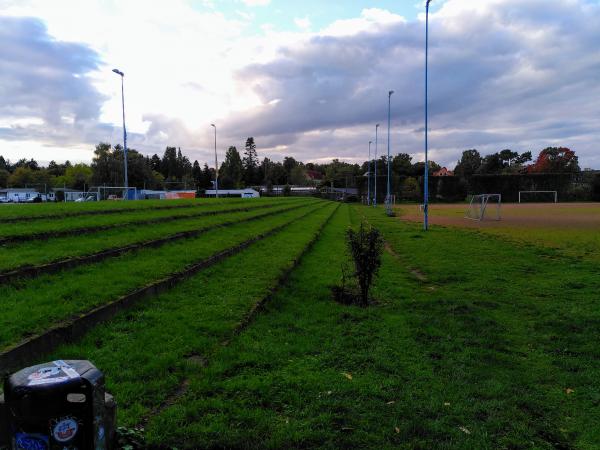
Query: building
x=22, y=195
x=244, y=193
x=443, y=172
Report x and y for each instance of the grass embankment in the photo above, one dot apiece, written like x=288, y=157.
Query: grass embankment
x=40, y=252
x=48, y=299
x=80, y=224
x=489, y=346
x=41, y=210
x=150, y=352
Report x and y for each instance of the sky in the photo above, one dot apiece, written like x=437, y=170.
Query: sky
x=307, y=79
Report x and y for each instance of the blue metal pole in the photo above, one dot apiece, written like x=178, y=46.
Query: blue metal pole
x=388, y=195
x=426, y=187
x=376, y=143
x=369, y=177
x=124, y=136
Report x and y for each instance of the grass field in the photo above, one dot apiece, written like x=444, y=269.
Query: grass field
x=483, y=336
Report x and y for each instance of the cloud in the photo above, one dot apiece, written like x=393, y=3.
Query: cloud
x=504, y=73
x=518, y=74
x=303, y=23
x=256, y=2
x=43, y=78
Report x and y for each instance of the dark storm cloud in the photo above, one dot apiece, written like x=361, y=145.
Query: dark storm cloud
x=515, y=73
x=46, y=79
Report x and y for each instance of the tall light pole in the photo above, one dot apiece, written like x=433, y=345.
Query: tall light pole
x=426, y=187
x=369, y=177
x=122, y=75
x=216, y=164
x=376, y=143
x=388, y=197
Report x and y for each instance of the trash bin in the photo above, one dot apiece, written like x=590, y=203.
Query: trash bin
x=59, y=405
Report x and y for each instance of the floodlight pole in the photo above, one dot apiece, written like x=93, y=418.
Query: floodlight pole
x=216, y=164
x=122, y=75
x=376, y=144
x=426, y=187
x=369, y=177
x=388, y=196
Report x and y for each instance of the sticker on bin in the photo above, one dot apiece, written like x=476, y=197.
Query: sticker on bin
x=58, y=373
x=65, y=430
x=24, y=441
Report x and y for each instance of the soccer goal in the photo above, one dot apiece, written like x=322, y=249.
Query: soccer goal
x=538, y=196
x=485, y=206
x=116, y=193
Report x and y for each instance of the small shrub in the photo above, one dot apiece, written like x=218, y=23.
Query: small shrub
x=365, y=247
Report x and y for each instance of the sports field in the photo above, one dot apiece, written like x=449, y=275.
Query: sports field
x=574, y=228
x=218, y=328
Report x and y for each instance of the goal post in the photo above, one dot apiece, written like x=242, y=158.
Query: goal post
x=116, y=193
x=553, y=195
x=484, y=206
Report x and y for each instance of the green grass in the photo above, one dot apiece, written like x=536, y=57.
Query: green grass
x=44, y=301
x=39, y=210
x=8, y=230
x=480, y=356
x=45, y=251
x=477, y=341
x=143, y=351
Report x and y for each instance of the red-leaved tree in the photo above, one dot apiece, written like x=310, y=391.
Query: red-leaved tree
x=556, y=160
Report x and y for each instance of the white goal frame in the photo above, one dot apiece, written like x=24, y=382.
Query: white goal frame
x=540, y=192
x=103, y=190
x=480, y=204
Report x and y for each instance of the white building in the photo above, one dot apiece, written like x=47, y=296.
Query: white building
x=244, y=193
x=20, y=195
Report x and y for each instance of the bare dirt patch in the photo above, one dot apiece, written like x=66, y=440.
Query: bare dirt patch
x=531, y=215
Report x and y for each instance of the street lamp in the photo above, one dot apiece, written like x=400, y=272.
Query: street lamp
x=376, y=143
x=216, y=164
x=122, y=75
x=426, y=187
x=388, y=198
x=369, y=177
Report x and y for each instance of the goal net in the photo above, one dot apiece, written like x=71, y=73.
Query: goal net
x=116, y=193
x=485, y=206
x=538, y=196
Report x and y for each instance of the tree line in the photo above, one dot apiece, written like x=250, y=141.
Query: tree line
x=173, y=170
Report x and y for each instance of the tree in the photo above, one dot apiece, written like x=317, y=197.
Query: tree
x=469, y=163
x=4, y=165
x=4, y=175
x=556, y=160
x=78, y=176
x=402, y=164
x=250, y=163
x=492, y=164
x=20, y=177
x=288, y=164
x=155, y=163
x=298, y=176
x=596, y=188
x=411, y=189
x=231, y=171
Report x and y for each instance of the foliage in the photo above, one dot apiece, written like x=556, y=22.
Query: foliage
x=366, y=247
x=556, y=160
x=596, y=188
x=287, y=190
x=231, y=171
x=250, y=164
x=411, y=189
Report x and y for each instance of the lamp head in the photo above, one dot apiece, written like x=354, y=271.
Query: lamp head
x=213, y=125
x=118, y=72
x=390, y=93
x=377, y=126
x=428, y=2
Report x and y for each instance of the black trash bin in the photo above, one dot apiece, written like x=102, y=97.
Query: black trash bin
x=59, y=405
